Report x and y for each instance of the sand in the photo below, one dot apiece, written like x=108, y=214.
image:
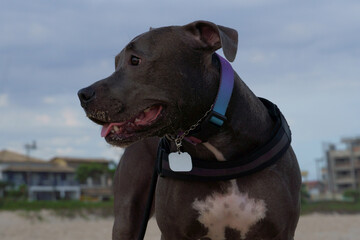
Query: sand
x=45, y=225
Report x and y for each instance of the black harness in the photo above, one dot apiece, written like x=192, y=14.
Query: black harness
x=257, y=160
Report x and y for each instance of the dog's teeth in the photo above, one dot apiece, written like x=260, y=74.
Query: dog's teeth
x=116, y=128
x=113, y=131
x=137, y=120
x=147, y=110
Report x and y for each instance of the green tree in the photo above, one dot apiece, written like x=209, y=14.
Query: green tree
x=2, y=188
x=112, y=168
x=304, y=194
x=3, y=185
x=18, y=193
x=353, y=194
x=93, y=170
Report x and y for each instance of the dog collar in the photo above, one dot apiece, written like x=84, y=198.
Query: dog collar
x=216, y=117
x=263, y=157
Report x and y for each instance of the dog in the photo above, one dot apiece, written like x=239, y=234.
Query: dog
x=165, y=83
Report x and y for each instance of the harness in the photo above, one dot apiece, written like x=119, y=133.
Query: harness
x=239, y=166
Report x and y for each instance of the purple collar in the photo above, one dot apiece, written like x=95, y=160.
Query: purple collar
x=224, y=93
x=216, y=117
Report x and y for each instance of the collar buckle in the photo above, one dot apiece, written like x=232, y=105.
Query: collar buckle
x=211, y=124
x=216, y=118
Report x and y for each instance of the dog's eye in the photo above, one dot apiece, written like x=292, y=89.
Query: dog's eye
x=135, y=60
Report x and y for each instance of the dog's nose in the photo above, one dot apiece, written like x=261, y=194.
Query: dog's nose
x=86, y=94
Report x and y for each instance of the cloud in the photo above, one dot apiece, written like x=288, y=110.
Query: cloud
x=49, y=100
x=53, y=115
x=257, y=57
x=43, y=119
x=66, y=151
x=38, y=32
x=70, y=118
x=4, y=100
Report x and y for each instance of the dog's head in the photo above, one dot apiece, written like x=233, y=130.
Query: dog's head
x=164, y=81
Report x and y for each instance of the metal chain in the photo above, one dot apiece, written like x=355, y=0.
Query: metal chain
x=178, y=139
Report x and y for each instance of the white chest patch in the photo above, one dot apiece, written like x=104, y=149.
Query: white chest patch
x=232, y=209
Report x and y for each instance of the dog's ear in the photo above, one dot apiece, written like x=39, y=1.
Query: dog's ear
x=211, y=37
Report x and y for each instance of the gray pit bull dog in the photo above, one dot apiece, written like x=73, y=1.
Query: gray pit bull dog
x=165, y=80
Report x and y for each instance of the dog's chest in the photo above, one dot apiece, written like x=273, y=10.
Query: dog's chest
x=231, y=209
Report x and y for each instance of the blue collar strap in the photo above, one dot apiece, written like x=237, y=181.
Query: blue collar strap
x=216, y=118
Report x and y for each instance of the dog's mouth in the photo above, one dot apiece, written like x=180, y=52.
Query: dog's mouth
x=125, y=130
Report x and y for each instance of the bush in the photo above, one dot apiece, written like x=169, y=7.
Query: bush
x=19, y=193
x=3, y=185
x=93, y=170
x=304, y=194
x=353, y=194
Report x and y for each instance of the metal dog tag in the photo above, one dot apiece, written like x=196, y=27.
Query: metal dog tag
x=180, y=162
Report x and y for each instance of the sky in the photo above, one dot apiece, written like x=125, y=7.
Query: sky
x=302, y=55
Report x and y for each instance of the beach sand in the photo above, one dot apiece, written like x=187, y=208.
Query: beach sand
x=45, y=225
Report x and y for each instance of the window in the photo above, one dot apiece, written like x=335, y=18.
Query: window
x=342, y=161
x=342, y=174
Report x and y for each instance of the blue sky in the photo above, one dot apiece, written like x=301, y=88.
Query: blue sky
x=302, y=55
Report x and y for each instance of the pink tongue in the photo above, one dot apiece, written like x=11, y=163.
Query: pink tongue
x=107, y=128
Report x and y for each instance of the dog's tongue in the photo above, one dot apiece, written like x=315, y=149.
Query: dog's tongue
x=107, y=128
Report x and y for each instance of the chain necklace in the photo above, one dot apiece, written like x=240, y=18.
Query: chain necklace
x=178, y=140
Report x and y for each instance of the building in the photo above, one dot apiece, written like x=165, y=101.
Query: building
x=44, y=180
x=343, y=166
x=97, y=187
x=54, y=179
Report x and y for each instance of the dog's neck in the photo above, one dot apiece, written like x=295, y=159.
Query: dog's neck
x=248, y=126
